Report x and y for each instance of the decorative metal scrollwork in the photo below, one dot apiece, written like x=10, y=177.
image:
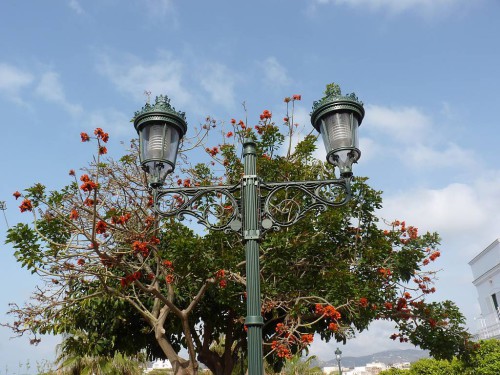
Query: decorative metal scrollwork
x=285, y=203
x=215, y=207
x=281, y=204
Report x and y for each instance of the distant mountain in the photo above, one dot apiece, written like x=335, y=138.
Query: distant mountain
x=388, y=357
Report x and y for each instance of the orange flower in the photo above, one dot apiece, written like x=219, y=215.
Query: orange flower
x=233, y=121
x=85, y=137
x=435, y=255
x=229, y=134
x=88, y=202
x=297, y=97
x=363, y=302
x=81, y=262
x=169, y=279
x=101, y=134
x=73, y=215
x=334, y=327
x=71, y=172
x=141, y=247
x=307, y=339
x=103, y=150
x=101, y=227
x=16, y=194
x=88, y=184
x=26, y=205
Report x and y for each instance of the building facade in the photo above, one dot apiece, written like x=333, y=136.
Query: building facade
x=486, y=273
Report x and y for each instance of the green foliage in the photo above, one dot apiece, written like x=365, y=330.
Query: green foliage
x=483, y=358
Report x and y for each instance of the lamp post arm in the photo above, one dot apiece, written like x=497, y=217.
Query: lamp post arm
x=285, y=203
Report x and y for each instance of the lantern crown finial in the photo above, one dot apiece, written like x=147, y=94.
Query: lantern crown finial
x=333, y=93
x=162, y=104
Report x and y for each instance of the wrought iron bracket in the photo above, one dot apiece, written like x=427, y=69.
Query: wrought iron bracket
x=279, y=204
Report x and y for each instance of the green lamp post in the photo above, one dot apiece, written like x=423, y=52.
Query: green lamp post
x=160, y=128
x=338, y=357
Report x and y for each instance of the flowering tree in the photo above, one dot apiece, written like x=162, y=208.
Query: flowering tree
x=97, y=244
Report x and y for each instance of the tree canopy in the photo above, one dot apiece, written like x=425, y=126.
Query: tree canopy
x=116, y=277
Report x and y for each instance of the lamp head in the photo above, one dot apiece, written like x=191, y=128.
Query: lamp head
x=160, y=128
x=337, y=117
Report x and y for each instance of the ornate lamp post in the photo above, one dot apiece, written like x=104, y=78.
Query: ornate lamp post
x=256, y=206
x=338, y=356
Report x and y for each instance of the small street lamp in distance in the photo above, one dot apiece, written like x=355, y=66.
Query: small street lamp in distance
x=338, y=356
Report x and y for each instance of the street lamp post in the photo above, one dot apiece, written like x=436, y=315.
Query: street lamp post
x=255, y=205
x=338, y=356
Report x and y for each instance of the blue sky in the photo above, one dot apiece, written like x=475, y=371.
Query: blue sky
x=427, y=71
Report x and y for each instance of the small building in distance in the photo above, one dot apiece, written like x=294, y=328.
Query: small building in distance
x=486, y=273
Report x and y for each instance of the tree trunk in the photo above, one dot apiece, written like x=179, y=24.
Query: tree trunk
x=180, y=365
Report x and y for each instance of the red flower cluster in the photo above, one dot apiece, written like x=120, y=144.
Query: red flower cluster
x=242, y=124
x=88, y=202
x=280, y=328
x=102, y=150
x=435, y=255
x=221, y=276
x=122, y=220
x=297, y=97
x=233, y=121
x=168, y=264
x=229, y=134
x=212, y=151
x=169, y=279
x=266, y=115
x=85, y=137
x=328, y=311
x=26, y=205
x=141, y=247
x=81, y=262
x=129, y=279
x=101, y=227
x=281, y=350
x=74, y=214
x=385, y=272
x=186, y=182
x=71, y=172
x=101, y=134
x=363, y=302
x=16, y=195
x=306, y=339
x=334, y=327
x=88, y=184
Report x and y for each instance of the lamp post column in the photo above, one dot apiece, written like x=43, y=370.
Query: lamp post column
x=251, y=235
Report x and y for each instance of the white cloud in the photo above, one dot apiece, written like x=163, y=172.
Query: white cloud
x=112, y=121
x=275, y=74
x=51, y=89
x=133, y=76
x=465, y=214
x=219, y=82
x=76, y=6
x=406, y=124
x=450, y=156
x=397, y=6
x=13, y=80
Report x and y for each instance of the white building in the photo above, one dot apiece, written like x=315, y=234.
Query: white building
x=369, y=369
x=486, y=272
x=158, y=364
